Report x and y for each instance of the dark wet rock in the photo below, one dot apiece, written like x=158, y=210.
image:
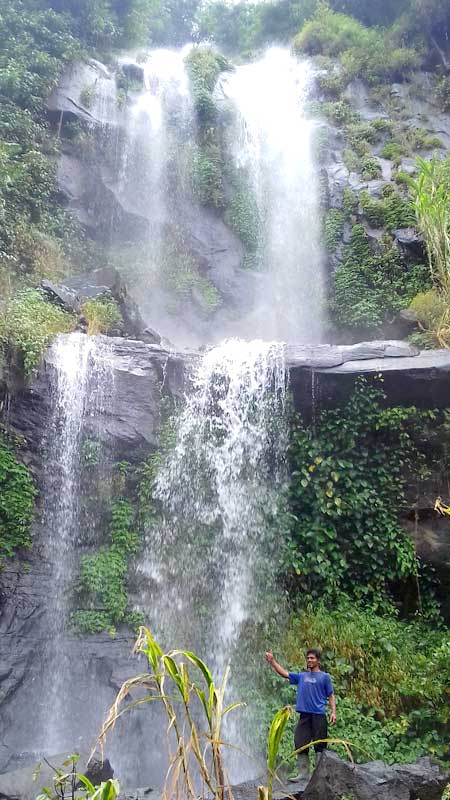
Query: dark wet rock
x=133, y=72
x=68, y=96
x=26, y=782
x=151, y=336
x=409, y=376
x=74, y=292
x=335, y=778
x=409, y=240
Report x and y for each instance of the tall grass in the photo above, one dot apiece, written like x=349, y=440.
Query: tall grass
x=192, y=743
x=430, y=190
x=431, y=195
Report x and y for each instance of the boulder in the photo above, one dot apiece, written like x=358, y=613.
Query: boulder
x=107, y=281
x=409, y=240
x=69, y=96
x=335, y=778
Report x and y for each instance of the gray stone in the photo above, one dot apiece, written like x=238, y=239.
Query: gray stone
x=409, y=240
x=334, y=778
x=67, y=96
x=133, y=71
x=107, y=281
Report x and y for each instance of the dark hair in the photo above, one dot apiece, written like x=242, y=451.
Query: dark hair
x=313, y=651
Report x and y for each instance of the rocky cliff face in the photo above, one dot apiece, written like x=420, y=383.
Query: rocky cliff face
x=143, y=375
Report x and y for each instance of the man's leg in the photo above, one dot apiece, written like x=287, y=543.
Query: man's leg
x=319, y=728
x=303, y=736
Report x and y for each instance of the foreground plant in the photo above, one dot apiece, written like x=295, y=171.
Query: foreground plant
x=69, y=784
x=195, y=694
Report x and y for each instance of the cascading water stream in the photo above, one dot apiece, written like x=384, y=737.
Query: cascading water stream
x=219, y=494
x=272, y=142
x=268, y=141
x=81, y=388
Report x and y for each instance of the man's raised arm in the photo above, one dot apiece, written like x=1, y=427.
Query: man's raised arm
x=275, y=665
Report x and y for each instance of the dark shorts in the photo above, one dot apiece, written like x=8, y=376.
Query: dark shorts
x=311, y=727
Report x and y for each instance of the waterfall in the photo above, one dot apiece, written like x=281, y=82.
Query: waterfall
x=219, y=492
x=267, y=141
x=271, y=142
x=81, y=388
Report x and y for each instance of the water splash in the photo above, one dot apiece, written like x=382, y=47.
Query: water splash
x=219, y=494
x=81, y=389
x=272, y=142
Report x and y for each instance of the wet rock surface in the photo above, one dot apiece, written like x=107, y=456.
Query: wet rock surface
x=335, y=778
x=143, y=375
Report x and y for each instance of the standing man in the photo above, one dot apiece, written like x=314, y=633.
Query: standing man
x=314, y=688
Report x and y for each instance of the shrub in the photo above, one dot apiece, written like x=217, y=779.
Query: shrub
x=391, y=211
x=433, y=312
x=331, y=84
x=102, y=579
x=206, y=174
x=370, y=288
x=370, y=168
x=369, y=53
x=17, y=493
x=443, y=92
x=242, y=216
x=29, y=323
x=431, y=197
x=334, y=227
x=102, y=315
x=350, y=202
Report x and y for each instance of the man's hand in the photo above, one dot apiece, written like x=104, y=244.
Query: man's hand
x=270, y=657
x=332, y=717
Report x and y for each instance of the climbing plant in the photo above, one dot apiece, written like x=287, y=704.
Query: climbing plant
x=349, y=473
x=17, y=493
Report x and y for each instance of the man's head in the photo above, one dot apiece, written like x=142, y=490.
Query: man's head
x=313, y=658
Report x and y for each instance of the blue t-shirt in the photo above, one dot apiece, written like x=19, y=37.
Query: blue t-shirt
x=313, y=691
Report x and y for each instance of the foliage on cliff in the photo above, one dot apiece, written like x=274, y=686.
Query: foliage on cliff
x=28, y=324
x=349, y=471
x=390, y=678
x=17, y=493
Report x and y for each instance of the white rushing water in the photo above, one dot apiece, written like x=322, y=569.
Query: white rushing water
x=267, y=137
x=81, y=388
x=218, y=493
x=272, y=141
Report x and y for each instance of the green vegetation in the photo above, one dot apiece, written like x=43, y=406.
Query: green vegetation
x=207, y=159
x=354, y=461
x=68, y=783
x=28, y=324
x=242, y=216
x=431, y=197
x=393, y=210
x=102, y=315
x=370, y=287
x=390, y=678
x=370, y=168
x=365, y=52
x=17, y=493
x=102, y=581
x=334, y=227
